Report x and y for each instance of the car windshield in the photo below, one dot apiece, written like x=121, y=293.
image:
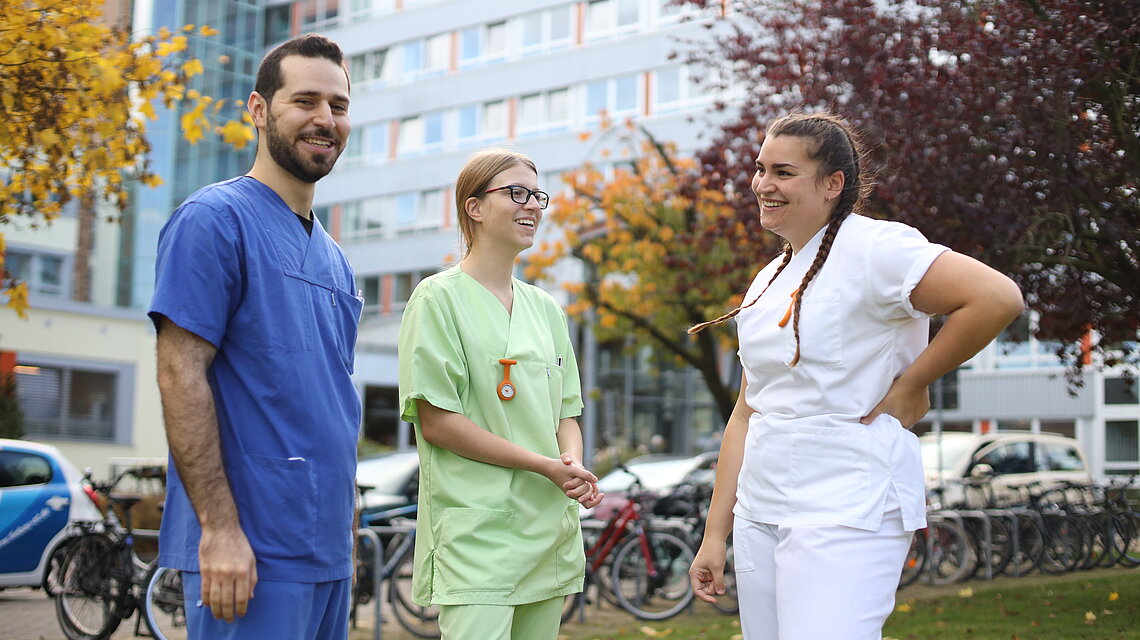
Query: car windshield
x=654, y=475
x=952, y=451
x=387, y=473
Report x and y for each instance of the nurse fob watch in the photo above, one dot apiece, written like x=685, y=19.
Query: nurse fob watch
x=506, y=387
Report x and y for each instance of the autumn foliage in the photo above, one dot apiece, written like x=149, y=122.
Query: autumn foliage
x=1008, y=130
x=75, y=99
x=660, y=253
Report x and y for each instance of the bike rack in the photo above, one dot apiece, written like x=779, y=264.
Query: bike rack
x=377, y=567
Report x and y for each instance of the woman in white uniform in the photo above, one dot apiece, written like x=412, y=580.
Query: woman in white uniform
x=819, y=480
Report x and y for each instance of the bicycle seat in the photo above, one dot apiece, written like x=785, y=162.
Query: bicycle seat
x=127, y=500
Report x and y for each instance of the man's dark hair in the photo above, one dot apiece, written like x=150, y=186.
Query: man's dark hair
x=310, y=45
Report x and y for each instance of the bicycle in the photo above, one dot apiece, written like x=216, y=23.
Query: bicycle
x=101, y=581
x=399, y=550
x=649, y=569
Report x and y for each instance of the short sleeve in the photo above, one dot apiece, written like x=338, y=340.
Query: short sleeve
x=432, y=365
x=898, y=258
x=198, y=271
x=571, y=382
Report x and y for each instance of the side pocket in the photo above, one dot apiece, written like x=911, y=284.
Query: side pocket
x=473, y=554
x=570, y=560
x=741, y=553
x=278, y=509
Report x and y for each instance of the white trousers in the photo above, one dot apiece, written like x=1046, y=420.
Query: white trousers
x=817, y=582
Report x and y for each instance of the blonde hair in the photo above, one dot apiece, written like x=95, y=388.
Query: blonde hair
x=837, y=148
x=475, y=178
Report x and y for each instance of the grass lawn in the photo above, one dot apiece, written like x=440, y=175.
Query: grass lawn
x=1071, y=607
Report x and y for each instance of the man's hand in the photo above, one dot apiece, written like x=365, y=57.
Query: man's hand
x=229, y=572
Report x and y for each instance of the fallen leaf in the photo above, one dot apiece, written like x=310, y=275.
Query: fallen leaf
x=904, y=608
x=1113, y=597
x=1090, y=617
x=967, y=592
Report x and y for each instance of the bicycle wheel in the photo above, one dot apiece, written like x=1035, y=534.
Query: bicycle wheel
x=1030, y=546
x=1128, y=526
x=164, y=609
x=915, y=559
x=949, y=552
x=88, y=602
x=1063, y=545
x=651, y=575
x=422, y=622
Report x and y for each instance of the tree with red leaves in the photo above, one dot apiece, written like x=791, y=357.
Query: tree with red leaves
x=1009, y=131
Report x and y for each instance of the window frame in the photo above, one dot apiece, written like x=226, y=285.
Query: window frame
x=122, y=407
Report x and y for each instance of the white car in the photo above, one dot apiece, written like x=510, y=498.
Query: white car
x=41, y=495
x=1010, y=458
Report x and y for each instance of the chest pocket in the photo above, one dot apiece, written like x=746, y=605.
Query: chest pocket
x=821, y=331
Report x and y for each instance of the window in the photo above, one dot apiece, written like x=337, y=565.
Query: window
x=626, y=94
x=277, y=24
x=75, y=402
x=667, y=87
x=438, y=54
x=44, y=273
x=23, y=469
x=1121, y=443
x=370, y=289
x=406, y=210
x=363, y=219
x=369, y=67
x=404, y=284
x=470, y=45
x=413, y=57
x=411, y=139
x=1011, y=458
x=596, y=98
x=1060, y=457
x=615, y=96
x=540, y=112
x=433, y=129
x=468, y=121
x=495, y=119
x=1120, y=390
x=495, y=43
x=532, y=29
x=605, y=18
x=545, y=30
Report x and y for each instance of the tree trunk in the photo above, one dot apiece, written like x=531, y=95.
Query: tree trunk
x=84, y=244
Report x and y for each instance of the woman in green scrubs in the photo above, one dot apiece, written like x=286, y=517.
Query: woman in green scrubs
x=489, y=379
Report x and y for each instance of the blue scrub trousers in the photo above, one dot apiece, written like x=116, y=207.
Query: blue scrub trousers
x=278, y=611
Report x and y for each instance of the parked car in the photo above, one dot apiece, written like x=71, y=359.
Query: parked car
x=1010, y=458
x=388, y=480
x=658, y=473
x=41, y=495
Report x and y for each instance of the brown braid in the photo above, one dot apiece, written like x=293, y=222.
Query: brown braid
x=837, y=149
x=820, y=256
x=787, y=257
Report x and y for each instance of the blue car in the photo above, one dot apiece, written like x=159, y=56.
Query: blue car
x=41, y=494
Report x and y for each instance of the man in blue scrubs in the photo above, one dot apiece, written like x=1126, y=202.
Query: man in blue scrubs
x=256, y=313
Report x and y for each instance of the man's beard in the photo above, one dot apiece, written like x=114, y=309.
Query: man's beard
x=309, y=169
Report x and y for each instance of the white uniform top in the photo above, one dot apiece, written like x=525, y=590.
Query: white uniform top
x=807, y=458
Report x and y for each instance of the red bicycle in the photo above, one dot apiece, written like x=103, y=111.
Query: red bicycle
x=635, y=566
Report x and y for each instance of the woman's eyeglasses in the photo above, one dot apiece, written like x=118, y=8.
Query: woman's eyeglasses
x=521, y=195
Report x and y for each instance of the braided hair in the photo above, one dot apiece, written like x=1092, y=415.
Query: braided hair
x=836, y=148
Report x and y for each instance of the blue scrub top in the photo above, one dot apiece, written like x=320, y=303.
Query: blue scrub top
x=236, y=268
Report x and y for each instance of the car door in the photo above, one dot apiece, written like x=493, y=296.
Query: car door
x=34, y=506
x=1013, y=463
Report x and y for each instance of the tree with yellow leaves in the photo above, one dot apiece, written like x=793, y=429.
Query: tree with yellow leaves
x=661, y=253
x=75, y=99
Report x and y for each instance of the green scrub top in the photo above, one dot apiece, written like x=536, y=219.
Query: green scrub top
x=488, y=534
